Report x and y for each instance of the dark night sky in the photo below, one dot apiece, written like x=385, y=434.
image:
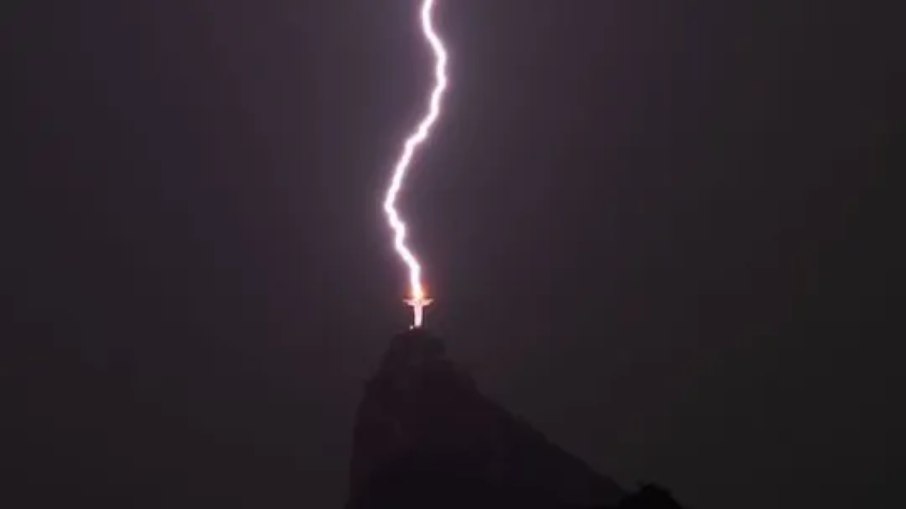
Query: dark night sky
x=660, y=231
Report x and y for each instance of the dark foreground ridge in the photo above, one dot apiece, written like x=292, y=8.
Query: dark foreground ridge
x=426, y=437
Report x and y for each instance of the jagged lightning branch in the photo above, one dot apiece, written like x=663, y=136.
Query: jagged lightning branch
x=417, y=291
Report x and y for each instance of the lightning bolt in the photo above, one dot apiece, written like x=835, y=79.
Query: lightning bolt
x=416, y=289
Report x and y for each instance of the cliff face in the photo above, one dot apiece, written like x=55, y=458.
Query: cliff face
x=425, y=437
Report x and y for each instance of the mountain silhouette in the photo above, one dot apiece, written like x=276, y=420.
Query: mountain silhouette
x=426, y=437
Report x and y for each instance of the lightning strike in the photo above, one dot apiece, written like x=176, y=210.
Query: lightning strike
x=417, y=297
